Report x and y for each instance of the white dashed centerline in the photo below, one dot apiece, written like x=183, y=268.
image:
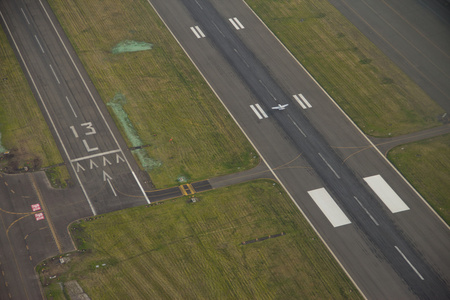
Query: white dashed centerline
x=367, y=212
x=67, y=98
x=329, y=166
x=39, y=43
x=55, y=74
x=409, y=263
x=25, y=16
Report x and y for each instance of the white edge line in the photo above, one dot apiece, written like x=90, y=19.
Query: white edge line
x=140, y=186
x=262, y=157
x=90, y=93
x=261, y=110
x=409, y=263
x=299, y=101
x=234, y=24
x=195, y=32
x=256, y=112
x=239, y=23
x=357, y=128
x=48, y=115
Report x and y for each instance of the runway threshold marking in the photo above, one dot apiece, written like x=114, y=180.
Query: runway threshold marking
x=235, y=22
x=259, y=112
x=329, y=207
x=387, y=195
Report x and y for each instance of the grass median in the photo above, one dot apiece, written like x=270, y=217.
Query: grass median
x=164, y=102
x=183, y=250
x=381, y=99
x=23, y=130
x=426, y=165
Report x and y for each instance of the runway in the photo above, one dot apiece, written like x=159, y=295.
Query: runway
x=381, y=245
x=392, y=246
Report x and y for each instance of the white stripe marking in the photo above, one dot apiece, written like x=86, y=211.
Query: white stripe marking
x=299, y=101
x=195, y=32
x=25, y=16
x=200, y=31
x=55, y=74
x=37, y=40
x=95, y=155
x=410, y=264
x=140, y=186
x=239, y=23
x=262, y=111
x=67, y=98
x=112, y=188
x=306, y=101
x=234, y=24
x=386, y=194
x=329, y=166
x=256, y=112
x=367, y=212
x=329, y=207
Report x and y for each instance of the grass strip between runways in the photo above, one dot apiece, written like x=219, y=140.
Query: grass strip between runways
x=182, y=250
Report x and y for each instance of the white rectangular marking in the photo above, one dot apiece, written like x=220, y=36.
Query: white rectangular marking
x=299, y=101
x=37, y=40
x=200, y=31
x=95, y=155
x=195, y=32
x=262, y=111
x=55, y=74
x=386, y=194
x=329, y=207
x=256, y=112
x=304, y=100
x=239, y=23
x=409, y=263
x=25, y=16
x=234, y=24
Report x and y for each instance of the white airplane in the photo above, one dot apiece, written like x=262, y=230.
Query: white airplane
x=280, y=107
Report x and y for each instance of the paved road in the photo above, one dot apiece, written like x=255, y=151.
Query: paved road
x=389, y=253
x=415, y=34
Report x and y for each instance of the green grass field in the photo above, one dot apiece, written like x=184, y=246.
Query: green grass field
x=371, y=89
x=23, y=130
x=166, y=98
x=181, y=250
x=426, y=165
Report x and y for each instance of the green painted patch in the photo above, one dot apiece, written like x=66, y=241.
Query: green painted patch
x=117, y=104
x=2, y=149
x=131, y=46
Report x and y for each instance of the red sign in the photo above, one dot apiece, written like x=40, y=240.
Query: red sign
x=36, y=207
x=39, y=216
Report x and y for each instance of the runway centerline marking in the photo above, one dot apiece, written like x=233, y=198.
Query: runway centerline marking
x=39, y=43
x=199, y=4
x=329, y=207
x=329, y=166
x=23, y=12
x=267, y=89
x=94, y=155
x=386, y=194
x=409, y=263
x=367, y=212
x=55, y=74
x=71, y=107
x=295, y=124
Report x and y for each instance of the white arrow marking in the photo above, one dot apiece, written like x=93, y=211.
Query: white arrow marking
x=106, y=176
x=106, y=161
x=92, y=163
x=79, y=167
x=118, y=157
x=112, y=188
